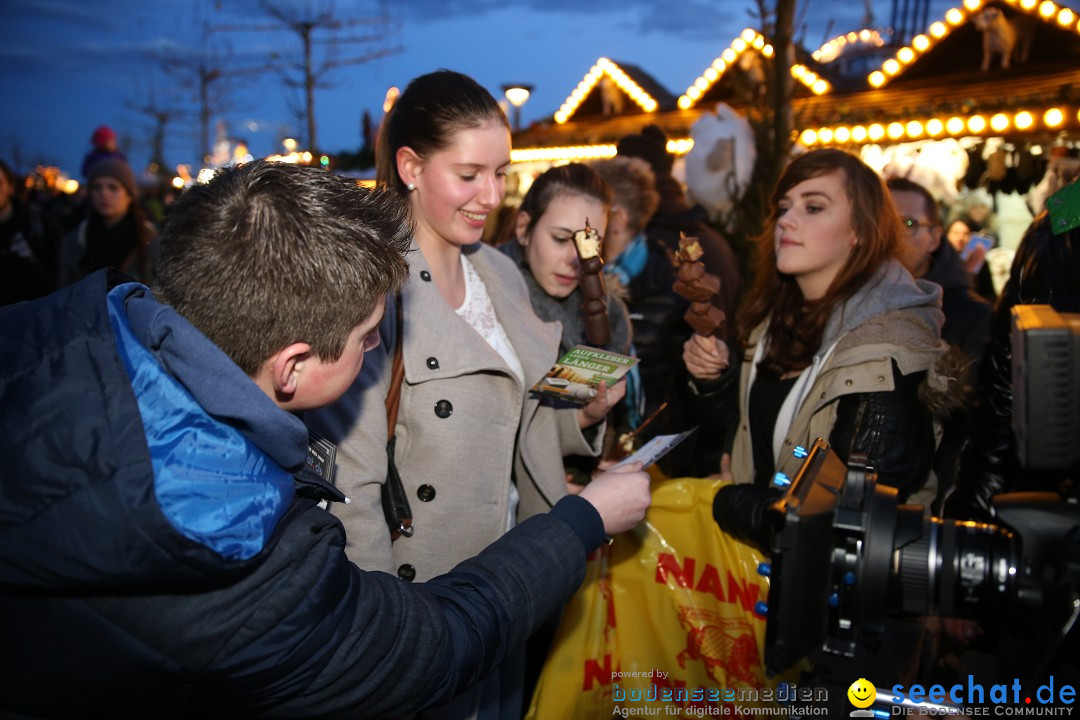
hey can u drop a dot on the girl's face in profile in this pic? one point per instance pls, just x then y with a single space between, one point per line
814 234
459 186
549 248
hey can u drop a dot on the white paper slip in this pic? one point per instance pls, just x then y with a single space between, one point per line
655 449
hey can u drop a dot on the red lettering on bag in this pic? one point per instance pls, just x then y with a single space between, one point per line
739 590
668 566
595 673
710 583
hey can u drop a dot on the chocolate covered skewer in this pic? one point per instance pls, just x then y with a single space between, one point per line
594 296
699 287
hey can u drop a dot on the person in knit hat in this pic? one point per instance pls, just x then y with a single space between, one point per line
115 232
104 146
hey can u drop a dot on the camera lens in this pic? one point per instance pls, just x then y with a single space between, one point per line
953 568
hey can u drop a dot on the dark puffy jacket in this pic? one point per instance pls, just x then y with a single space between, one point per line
967 315
155 560
1046 270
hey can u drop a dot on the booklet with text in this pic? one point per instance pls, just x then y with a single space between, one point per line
577 374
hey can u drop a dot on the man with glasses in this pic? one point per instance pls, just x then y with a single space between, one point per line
967 316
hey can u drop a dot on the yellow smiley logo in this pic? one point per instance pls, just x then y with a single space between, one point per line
861 694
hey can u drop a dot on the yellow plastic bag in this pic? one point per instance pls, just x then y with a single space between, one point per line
665 619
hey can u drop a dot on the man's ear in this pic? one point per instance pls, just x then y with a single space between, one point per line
409 165
521 223
285 366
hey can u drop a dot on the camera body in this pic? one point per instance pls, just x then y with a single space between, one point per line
846 556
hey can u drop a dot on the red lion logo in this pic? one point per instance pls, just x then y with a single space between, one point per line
726 646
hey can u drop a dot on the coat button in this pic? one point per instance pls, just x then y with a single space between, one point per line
433 363
444 409
881 378
426 493
425 276
848 383
407 572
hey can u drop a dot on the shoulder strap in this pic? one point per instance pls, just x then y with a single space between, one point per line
397 373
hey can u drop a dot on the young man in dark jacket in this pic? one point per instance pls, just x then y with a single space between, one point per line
162 552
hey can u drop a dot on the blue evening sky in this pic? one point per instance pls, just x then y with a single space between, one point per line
71 65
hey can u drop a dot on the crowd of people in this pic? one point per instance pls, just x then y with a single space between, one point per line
168 545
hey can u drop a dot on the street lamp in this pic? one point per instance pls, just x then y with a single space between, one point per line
517 94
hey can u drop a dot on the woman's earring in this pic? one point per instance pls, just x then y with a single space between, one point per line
411 187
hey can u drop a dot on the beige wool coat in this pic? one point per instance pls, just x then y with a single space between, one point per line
466 425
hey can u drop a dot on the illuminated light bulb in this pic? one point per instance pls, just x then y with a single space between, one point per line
895 131
842 134
972 5
858 133
1023 120
954 125
701 84
876 78
719 65
938 29
693 92
1028 4
825 135
767 51
808 137
955 16
809 77
729 56
851 37
865 35
560 117
759 42
711 74
738 45
1065 17
906 55
178 182
650 105
748 34
999 122
1047 9
1053 117
797 71
934 127
820 87
976 123
891 67
914 129
876 132
684 103
920 42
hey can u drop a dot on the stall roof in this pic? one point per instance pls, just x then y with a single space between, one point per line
1047 38
605 88
737 72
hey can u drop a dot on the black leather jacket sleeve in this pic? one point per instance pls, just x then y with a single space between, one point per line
1045 271
892 429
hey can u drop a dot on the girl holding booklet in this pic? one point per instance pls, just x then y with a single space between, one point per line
477 453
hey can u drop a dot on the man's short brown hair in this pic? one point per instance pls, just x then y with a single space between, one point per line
269 254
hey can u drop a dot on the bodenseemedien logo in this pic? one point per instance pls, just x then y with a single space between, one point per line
862 694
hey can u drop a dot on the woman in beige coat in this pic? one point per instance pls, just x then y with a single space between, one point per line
475 451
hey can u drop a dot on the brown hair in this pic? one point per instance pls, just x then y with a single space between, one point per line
796 325
268 254
569 179
425 116
633 186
